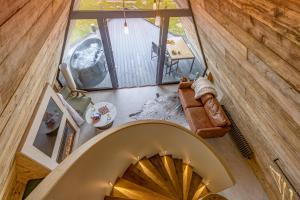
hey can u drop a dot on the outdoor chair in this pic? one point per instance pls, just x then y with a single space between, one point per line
170 63
154 50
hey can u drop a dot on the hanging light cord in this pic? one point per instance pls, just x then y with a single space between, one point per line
124 11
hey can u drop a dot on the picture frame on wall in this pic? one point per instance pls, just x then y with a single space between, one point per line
52 133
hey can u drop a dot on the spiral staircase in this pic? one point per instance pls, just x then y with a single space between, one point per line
143 160
159 177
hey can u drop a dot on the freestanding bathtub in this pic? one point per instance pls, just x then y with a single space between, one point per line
88 63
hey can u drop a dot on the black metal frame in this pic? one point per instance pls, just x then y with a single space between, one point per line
102 15
102 25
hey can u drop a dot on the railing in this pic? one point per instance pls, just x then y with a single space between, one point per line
90 171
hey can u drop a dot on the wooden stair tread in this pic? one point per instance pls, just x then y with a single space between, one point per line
136 176
146 166
187 177
200 192
171 171
159 178
158 164
116 198
196 180
126 189
179 171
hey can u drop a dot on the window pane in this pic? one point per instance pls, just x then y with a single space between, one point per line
84 54
129 4
183 53
134 57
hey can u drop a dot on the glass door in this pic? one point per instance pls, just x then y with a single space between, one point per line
182 55
88 55
116 44
135 48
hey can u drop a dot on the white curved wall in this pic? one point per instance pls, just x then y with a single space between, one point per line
87 172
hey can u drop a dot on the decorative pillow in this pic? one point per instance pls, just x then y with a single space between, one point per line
203 86
215 113
204 98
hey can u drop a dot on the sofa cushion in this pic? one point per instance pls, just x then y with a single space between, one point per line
197 118
205 97
186 84
187 98
213 132
215 113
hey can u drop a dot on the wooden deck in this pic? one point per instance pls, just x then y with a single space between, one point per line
132 55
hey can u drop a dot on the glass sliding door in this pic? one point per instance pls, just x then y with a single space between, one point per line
182 55
135 50
116 43
84 54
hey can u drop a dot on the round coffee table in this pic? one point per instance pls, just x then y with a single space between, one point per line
106 120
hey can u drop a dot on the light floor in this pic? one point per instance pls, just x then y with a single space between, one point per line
129 101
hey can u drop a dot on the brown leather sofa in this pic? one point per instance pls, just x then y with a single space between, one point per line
205 115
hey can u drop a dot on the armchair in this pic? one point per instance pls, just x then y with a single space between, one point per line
76 98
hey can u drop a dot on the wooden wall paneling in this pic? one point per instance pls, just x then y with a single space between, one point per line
285 119
290 4
12 179
20 24
9 8
286 49
223 36
23 55
283 21
276 80
242 118
280 66
20 107
15 64
288 103
249 82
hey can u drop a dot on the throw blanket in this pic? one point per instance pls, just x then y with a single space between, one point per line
203 86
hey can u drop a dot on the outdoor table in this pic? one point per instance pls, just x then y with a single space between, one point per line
179 50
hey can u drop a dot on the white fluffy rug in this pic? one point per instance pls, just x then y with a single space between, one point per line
166 107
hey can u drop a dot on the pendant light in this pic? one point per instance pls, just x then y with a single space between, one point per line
154 5
157 17
126 29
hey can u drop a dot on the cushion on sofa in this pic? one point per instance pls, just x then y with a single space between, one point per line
205 97
215 113
213 132
186 84
197 118
187 98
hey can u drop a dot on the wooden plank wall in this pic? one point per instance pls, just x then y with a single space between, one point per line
253 52
31 36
